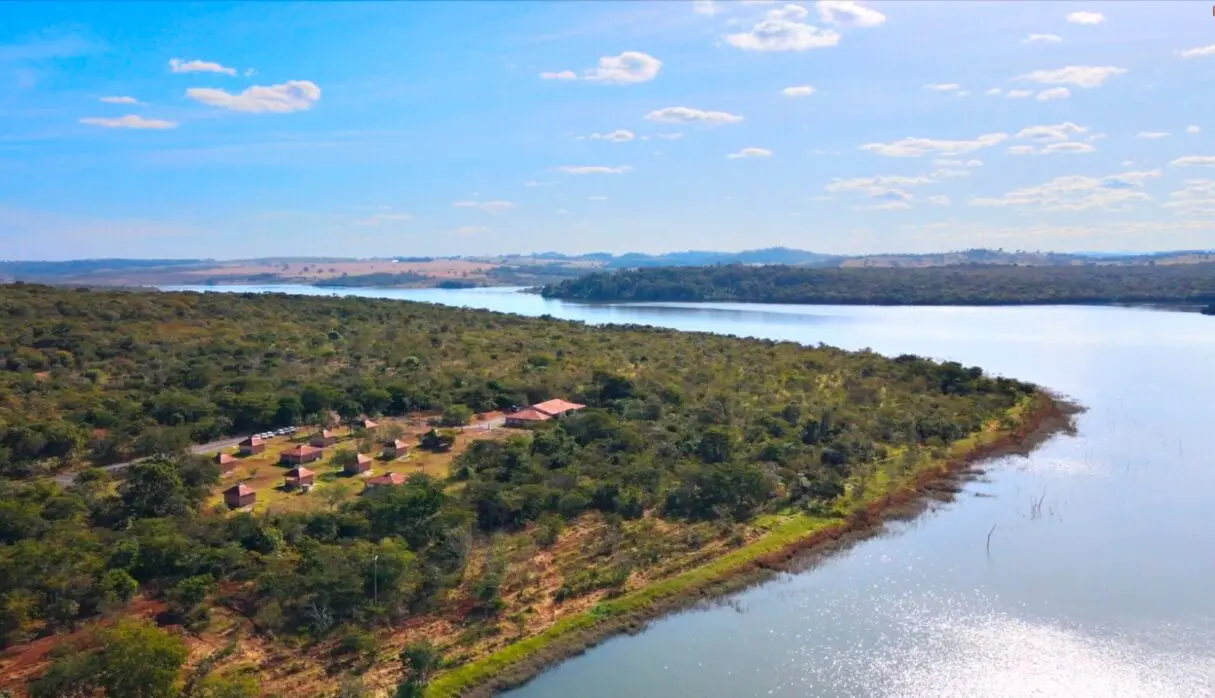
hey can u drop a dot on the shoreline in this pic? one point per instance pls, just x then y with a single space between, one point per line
795 544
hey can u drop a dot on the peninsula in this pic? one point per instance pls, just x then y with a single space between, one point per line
391 506
1192 284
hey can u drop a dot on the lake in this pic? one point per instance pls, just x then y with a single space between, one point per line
1106 588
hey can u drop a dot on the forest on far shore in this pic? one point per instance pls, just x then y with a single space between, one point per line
950 285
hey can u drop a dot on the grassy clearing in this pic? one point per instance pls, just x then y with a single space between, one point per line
784 530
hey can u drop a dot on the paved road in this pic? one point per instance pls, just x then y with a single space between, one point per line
68 478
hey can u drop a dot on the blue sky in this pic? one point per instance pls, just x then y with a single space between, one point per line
377 129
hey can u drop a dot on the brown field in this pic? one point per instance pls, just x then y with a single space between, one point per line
317 270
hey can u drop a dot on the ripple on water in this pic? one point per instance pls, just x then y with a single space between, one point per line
1066 467
957 651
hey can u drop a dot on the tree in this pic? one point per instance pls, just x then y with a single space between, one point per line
138 660
455 416
153 489
419 660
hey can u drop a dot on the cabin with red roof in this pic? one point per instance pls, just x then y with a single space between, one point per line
385 480
526 417
361 464
557 407
323 439
252 446
239 496
300 478
226 462
395 449
368 424
301 454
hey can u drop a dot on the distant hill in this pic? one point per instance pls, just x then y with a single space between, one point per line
522 269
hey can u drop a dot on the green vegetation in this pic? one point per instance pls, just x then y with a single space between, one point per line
700 433
956 285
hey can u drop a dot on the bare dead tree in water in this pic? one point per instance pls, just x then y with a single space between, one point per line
993 530
1035 507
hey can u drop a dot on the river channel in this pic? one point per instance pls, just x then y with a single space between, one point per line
1100 577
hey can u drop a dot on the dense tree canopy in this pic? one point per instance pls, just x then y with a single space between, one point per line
681 426
952 285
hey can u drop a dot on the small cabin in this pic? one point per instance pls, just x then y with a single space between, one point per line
300 454
557 408
385 480
252 446
323 439
526 417
239 496
226 462
361 464
368 424
395 449
300 478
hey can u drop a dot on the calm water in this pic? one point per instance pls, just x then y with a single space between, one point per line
1110 591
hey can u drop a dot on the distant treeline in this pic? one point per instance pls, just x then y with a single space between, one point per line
75 267
957 285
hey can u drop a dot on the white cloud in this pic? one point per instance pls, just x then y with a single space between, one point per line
915 147
1021 150
993 92
177 65
597 198
1058 132
1152 135
471 229
877 184
1193 129
957 163
1070 148
121 100
534 183
798 91
1077 192
628 68
129 121
291 96
751 153
688 115
1086 18
620 135
486 206
594 169
561 212
943 87
670 136
1198 196
848 12
1078 75
946 173
782 29
939 200
1019 94
1194 161
1200 52
1054 93
707 8
1042 39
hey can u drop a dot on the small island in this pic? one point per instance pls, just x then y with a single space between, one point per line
945 285
314 487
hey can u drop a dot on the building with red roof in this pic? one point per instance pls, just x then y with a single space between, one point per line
557 407
298 455
526 417
239 496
